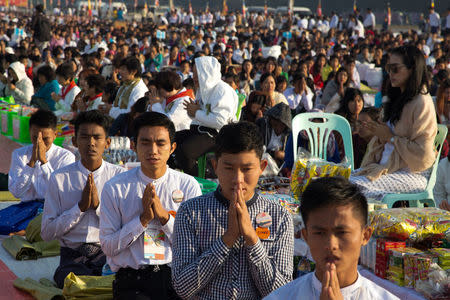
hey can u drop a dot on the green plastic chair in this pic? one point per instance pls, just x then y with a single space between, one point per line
241 98
319 133
419 199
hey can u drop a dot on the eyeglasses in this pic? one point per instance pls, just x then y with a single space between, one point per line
394 68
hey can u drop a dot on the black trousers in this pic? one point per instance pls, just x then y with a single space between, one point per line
149 283
88 259
191 144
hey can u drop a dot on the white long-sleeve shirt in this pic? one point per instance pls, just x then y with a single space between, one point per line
435 20
29 183
175 111
65 105
442 187
304 99
121 230
62 218
138 92
370 20
309 287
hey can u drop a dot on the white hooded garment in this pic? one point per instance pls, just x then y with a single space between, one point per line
24 86
218 101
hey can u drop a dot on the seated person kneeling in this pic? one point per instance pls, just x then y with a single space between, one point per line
138 212
71 213
31 167
335 215
233 242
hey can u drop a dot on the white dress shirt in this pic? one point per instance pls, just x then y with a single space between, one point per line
334 21
435 20
62 219
304 99
138 92
65 105
175 111
309 287
370 20
121 230
29 183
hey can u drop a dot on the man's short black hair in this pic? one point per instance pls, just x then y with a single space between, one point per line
239 137
65 70
168 80
153 119
43 119
47 72
132 64
92 117
96 81
333 191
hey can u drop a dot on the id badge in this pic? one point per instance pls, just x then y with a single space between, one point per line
154 244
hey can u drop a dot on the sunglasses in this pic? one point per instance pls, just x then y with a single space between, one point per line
394 68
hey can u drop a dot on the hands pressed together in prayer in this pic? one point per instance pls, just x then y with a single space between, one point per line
38 152
89 197
152 207
330 284
239 223
191 107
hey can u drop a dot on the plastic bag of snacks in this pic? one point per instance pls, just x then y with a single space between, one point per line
437 284
308 167
415 224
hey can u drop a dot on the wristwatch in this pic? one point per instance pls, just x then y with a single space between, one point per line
392 139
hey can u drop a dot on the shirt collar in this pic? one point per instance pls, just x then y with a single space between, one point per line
148 180
87 172
348 290
218 194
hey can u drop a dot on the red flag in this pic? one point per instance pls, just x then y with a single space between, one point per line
319 9
190 7
157 3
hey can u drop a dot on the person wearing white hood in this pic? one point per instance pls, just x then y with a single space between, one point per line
215 106
19 85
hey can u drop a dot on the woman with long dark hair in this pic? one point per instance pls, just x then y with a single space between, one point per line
400 154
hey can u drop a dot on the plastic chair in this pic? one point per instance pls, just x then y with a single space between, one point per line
241 98
319 133
419 199
201 165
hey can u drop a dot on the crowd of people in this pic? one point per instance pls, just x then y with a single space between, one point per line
182 85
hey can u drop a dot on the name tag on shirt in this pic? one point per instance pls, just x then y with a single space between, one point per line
154 244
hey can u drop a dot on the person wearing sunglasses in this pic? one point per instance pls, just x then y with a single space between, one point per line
400 154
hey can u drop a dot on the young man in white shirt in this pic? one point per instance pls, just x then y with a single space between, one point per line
299 97
138 210
335 215
71 213
172 96
31 167
435 20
